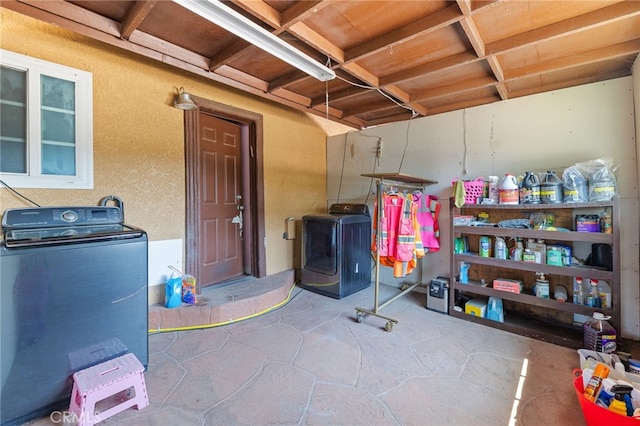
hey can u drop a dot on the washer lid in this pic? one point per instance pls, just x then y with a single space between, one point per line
349 209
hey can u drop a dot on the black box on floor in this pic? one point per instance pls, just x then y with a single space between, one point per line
438 296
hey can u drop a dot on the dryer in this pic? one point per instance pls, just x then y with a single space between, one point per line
336 251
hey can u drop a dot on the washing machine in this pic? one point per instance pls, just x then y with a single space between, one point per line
336 251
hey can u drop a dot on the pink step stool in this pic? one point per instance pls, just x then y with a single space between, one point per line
105 380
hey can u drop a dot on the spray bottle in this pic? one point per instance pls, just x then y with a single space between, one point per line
463 277
501 248
600 373
518 250
622 395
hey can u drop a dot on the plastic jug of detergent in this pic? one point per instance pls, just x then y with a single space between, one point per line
599 335
530 189
551 189
495 311
508 190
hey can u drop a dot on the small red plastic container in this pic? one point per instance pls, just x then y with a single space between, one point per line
595 415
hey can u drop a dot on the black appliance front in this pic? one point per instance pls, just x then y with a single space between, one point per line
336 259
63 308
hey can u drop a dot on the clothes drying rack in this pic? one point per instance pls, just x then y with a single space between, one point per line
402 181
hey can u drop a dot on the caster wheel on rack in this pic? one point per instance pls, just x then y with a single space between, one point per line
403 287
389 326
359 317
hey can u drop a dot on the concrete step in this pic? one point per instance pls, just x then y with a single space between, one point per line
225 303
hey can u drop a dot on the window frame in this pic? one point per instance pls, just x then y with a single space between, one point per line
83 80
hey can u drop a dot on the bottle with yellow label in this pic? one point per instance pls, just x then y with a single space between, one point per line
605 223
600 373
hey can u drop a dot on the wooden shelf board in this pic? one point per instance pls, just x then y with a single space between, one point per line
539 330
530 299
589 237
567 271
400 177
530 207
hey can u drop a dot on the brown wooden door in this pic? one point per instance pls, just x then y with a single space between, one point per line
220 200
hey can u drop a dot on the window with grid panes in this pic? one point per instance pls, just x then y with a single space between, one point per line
46 124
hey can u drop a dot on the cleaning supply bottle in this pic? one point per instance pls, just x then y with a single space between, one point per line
599 335
464 272
604 290
485 246
508 190
541 286
600 373
501 248
619 404
518 250
530 189
606 394
578 292
495 311
605 222
560 293
539 249
594 296
551 189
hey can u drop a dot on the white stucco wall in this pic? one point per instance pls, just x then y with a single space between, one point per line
542 132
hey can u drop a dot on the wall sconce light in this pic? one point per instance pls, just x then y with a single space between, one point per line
183 100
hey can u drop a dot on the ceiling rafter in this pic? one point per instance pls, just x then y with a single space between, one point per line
136 15
71 13
475 38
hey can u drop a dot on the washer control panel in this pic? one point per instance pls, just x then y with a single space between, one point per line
39 217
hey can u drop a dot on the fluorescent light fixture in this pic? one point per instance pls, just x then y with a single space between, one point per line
227 18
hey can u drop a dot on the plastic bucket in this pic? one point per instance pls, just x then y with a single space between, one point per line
594 415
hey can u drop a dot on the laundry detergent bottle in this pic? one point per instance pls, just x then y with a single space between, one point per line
599 335
508 190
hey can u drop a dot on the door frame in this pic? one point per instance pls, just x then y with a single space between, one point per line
251 125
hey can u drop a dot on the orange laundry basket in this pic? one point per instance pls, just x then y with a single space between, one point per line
595 415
